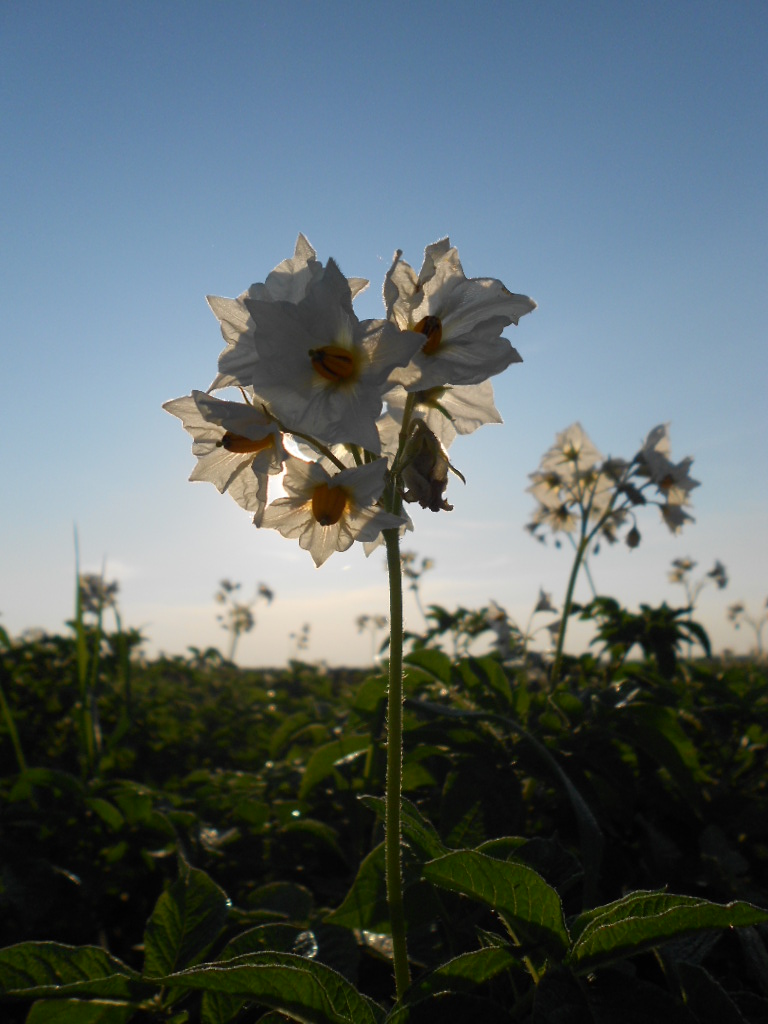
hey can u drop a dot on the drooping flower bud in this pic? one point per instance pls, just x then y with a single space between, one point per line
633 538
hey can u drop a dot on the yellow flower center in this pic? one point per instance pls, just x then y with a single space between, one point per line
432 327
333 362
243 445
328 504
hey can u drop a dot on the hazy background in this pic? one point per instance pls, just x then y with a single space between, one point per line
607 159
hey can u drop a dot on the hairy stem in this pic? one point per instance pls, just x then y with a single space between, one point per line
394 786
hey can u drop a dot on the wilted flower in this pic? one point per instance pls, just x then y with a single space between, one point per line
425 469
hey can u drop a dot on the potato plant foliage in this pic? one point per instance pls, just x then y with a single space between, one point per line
186 841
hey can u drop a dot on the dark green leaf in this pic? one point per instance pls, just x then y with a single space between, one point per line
324 759
434 663
462 974
492 676
40 969
705 997
219 1007
420 833
365 905
286 900
106 811
302 989
76 1011
518 892
645 919
186 920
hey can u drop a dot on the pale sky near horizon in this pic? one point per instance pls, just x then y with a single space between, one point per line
607 159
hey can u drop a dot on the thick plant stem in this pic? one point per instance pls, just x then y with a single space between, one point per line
580 552
393 796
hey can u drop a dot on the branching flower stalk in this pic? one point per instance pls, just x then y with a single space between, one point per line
590 498
354 418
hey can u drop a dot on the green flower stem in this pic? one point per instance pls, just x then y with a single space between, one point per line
580 552
394 786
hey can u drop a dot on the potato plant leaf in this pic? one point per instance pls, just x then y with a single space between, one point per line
302 989
419 832
462 974
643 919
324 759
514 890
77 1011
50 969
186 920
218 1007
435 663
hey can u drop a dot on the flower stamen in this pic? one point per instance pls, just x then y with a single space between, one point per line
432 327
242 445
328 504
333 362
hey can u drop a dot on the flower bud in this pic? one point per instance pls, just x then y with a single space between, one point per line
633 538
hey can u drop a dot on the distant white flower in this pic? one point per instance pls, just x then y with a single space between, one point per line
497 620
675 517
680 568
719 574
288 282
328 512
559 518
321 371
672 480
544 604
573 453
549 488
657 441
460 318
237 446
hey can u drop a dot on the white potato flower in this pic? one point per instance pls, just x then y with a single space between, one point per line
236 444
328 511
460 318
672 480
572 454
288 282
448 411
321 370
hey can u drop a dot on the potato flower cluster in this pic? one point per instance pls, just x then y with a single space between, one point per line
337 421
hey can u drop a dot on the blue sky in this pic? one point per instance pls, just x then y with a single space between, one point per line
607 159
